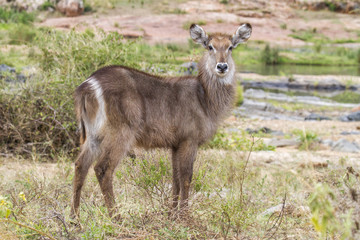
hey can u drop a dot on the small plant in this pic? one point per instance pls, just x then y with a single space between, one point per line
239 95
307 139
283 26
270 55
16 16
46 5
235 141
5 207
324 217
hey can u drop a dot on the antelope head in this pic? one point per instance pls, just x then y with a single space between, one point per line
218 60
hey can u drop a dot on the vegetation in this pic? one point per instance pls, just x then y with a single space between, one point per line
16 16
308 139
270 55
237 141
231 197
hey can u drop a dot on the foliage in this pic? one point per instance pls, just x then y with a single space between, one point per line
347 97
16 16
270 55
239 95
5 207
236 141
324 217
308 139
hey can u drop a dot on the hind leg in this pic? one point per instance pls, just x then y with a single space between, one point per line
82 166
113 150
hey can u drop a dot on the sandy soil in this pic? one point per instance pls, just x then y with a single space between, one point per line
272 21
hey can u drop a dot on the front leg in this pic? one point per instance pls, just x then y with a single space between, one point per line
183 158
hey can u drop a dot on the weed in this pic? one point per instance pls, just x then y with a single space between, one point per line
324 214
46 5
270 55
187 25
283 26
239 95
307 138
236 141
347 97
16 16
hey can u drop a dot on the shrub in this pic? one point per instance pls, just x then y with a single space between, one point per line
236 141
39 119
239 95
16 16
270 55
307 138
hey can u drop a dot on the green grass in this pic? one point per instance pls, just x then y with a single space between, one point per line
229 196
347 97
240 141
16 16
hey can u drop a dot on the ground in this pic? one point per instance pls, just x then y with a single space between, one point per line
306 190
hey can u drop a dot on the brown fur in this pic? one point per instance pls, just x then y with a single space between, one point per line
179 113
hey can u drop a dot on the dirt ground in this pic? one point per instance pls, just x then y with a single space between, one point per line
272 21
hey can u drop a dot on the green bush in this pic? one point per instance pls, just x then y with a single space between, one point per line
307 139
16 16
239 95
270 55
21 34
39 119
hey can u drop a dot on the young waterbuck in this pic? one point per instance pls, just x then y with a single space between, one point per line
119 108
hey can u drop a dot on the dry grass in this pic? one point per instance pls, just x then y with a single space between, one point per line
227 200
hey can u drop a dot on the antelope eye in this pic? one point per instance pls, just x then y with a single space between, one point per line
210 48
230 48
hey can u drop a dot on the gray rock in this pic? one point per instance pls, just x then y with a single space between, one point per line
189 68
344 145
262 106
350 133
316 117
6 68
283 142
352 117
327 142
312 100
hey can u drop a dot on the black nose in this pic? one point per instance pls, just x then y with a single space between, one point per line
222 67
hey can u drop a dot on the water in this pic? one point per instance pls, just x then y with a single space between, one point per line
301 70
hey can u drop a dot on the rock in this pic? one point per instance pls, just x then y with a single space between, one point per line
327 142
352 117
10 74
350 133
262 106
283 142
312 100
189 68
71 8
6 68
316 117
287 208
344 145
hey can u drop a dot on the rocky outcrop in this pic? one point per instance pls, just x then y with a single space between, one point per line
71 8
352 117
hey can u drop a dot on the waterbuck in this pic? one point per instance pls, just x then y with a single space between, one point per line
119 108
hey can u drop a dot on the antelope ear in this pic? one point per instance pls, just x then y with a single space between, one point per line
242 34
199 35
